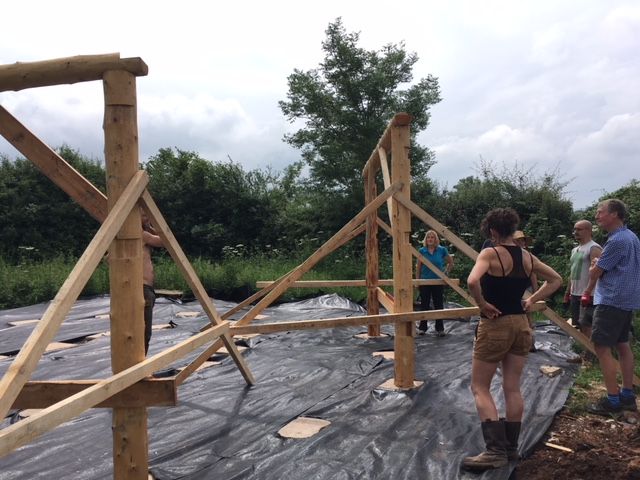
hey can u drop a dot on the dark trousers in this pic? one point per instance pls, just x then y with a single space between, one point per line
435 293
149 302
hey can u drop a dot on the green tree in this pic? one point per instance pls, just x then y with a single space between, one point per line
345 104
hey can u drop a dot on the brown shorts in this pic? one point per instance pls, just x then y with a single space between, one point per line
497 337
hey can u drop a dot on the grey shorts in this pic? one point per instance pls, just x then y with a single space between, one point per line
611 325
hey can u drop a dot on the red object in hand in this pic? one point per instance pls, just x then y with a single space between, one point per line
586 300
567 299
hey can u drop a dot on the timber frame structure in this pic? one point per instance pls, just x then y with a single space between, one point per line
128 391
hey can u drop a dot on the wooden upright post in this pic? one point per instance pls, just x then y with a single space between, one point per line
402 258
130 442
371 249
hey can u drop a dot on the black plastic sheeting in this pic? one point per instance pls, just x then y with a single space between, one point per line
224 429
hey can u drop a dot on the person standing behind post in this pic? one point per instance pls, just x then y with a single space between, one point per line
149 240
582 257
616 278
439 256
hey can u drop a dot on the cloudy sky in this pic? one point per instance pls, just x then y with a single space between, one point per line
549 85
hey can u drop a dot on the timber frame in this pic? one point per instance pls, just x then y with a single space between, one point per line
128 391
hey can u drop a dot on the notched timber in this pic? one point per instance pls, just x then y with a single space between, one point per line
155 392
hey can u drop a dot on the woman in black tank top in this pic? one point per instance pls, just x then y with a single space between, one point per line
497 283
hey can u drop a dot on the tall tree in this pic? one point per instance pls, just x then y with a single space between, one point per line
346 104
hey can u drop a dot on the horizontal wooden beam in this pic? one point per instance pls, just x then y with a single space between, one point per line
449 313
152 392
59 71
353 283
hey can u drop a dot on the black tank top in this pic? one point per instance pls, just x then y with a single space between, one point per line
506 292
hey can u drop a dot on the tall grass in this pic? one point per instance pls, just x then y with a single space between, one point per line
233 278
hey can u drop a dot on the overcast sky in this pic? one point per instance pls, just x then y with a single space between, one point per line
553 85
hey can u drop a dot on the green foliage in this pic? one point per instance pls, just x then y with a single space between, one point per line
213 205
38 219
346 104
539 200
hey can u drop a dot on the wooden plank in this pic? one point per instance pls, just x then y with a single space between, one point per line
373 164
404 345
189 274
372 273
81 68
328 247
385 300
355 283
393 318
25 362
386 180
439 227
155 392
81 190
26 430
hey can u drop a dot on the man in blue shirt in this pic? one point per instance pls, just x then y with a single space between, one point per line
616 277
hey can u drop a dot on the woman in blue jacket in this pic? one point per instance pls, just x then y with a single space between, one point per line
440 258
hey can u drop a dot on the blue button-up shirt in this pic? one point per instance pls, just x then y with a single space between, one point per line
619 284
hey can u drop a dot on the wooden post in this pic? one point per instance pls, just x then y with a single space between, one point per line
402 259
130 442
371 249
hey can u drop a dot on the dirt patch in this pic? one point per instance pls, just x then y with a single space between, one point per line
601 448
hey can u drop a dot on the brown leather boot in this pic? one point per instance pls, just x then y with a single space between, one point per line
512 432
495 455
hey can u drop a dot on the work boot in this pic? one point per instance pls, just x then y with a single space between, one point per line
495 455
512 432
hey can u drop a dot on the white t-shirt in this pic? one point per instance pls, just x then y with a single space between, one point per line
580 263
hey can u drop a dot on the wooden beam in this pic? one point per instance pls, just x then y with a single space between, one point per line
386 181
81 68
25 362
355 283
151 392
386 300
404 345
53 166
372 274
328 247
450 313
120 124
399 120
26 430
173 247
